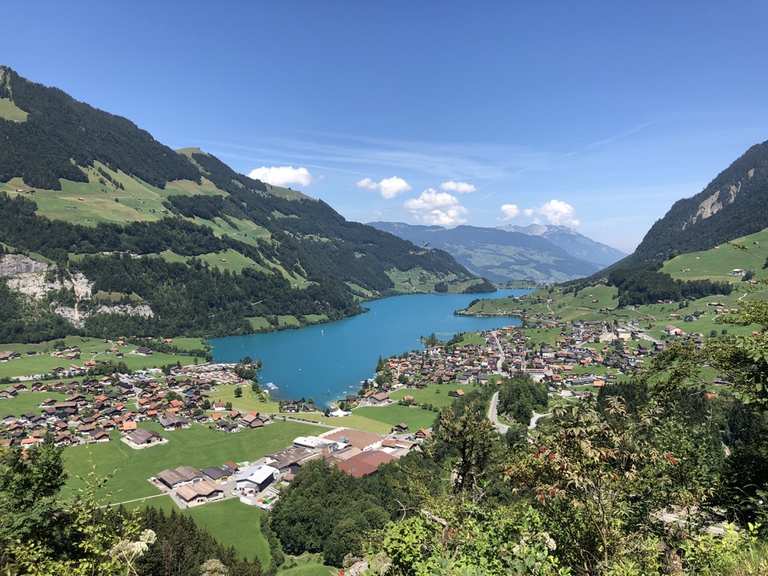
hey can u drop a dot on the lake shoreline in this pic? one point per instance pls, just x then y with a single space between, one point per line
328 361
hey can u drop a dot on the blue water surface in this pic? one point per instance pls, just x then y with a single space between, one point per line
326 362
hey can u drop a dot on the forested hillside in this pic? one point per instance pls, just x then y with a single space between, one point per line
734 204
179 241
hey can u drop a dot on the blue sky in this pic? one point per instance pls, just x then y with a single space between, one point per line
597 115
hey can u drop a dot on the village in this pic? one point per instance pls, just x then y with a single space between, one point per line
582 357
576 360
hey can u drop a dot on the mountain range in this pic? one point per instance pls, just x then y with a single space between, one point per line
733 205
110 230
534 253
576 244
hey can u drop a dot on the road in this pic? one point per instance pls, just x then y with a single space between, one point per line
502 356
535 420
493 415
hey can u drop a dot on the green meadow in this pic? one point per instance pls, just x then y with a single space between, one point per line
436 394
128 470
393 414
25 403
37 358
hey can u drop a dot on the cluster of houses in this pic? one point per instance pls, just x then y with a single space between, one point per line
89 410
258 483
563 365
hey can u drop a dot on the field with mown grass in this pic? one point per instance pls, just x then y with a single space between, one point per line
394 414
436 394
199 446
230 522
748 253
26 402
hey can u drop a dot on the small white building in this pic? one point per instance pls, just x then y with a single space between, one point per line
255 479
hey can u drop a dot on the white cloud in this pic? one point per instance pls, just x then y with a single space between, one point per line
387 187
282 175
458 187
437 208
509 211
529 212
560 213
367 183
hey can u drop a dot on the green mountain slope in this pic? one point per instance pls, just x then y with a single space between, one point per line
496 254
733 205
180 241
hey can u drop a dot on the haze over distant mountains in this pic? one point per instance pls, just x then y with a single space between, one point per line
577 245
535 253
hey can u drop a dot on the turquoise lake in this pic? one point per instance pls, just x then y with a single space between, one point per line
326 362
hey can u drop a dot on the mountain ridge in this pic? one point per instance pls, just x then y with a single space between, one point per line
576 244
94 194
497 254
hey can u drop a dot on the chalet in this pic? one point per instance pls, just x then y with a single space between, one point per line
173 422
199 493
6 356
253 420
379 398
99 436
216 473
179 476
143 438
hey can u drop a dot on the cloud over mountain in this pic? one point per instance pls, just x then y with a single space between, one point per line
437 208
387 187
282 175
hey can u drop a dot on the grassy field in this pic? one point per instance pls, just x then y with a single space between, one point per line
418 280
25 403
228 260
354 420
393 414
231 522
91 349
305 565
237 228
748 253
9 111
92 202
249 402
495 306
435 394
260 323
472 338
190 344
583 305
537 336
199 446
